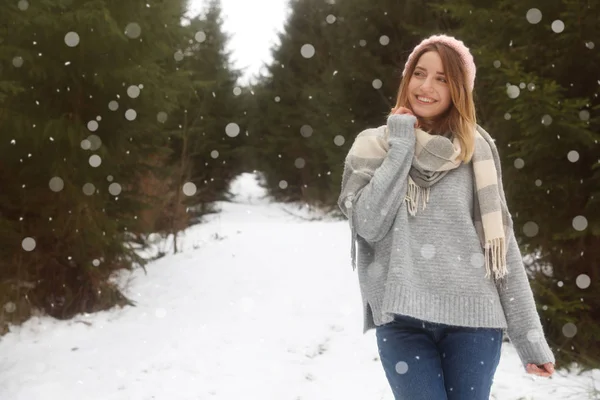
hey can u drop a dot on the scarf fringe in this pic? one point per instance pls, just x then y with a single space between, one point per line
495 258
414 194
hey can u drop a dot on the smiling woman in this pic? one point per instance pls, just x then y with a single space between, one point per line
439 266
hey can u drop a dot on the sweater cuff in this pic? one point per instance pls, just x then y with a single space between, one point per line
534 352
401 125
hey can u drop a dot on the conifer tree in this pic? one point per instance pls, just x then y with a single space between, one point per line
292 128
83 88
335 73
206 128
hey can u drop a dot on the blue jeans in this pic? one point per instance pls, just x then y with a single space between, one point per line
431 361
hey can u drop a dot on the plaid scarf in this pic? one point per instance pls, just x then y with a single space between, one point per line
434 157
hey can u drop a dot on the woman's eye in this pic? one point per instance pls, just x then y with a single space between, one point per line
443 80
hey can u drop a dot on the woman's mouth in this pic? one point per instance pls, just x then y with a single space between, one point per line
425 100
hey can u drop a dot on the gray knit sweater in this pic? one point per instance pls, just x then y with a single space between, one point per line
430 266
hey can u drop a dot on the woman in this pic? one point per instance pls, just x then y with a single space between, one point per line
440 271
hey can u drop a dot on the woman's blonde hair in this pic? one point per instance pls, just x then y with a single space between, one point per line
460 118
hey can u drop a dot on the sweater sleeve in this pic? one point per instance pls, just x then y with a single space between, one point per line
524 326
376 205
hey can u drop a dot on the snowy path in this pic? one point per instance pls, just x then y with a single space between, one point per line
259 305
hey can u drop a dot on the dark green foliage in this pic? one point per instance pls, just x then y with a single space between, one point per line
350 83
91 93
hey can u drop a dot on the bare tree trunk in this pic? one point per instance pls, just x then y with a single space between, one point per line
183 176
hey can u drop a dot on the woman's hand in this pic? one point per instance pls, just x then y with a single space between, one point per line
404 110
542 370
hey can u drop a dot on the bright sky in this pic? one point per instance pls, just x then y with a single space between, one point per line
252 28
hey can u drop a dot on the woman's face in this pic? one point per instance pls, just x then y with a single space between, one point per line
428 91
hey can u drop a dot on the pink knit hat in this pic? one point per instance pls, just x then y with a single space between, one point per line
456 45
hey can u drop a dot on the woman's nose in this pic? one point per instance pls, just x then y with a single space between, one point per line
427 85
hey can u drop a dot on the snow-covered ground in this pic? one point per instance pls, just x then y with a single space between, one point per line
261 304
